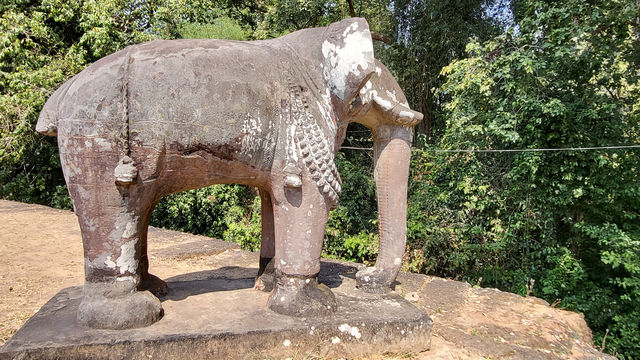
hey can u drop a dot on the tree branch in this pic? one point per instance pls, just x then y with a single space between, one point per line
380 37
352 10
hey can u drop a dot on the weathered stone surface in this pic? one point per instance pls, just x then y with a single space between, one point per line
217 314
480 323
41 252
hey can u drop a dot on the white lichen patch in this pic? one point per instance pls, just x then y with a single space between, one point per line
90 224
325 113
127 260
286 343
110 264
391 95
407 114
392 303
350 28
102 144
292 152
73 170
130 230
351 330
335 340
126 278
397 261
255 138
340 61
383 103
365 91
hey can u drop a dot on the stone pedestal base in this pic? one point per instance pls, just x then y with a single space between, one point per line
218 315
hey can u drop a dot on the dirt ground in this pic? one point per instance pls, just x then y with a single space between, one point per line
33 268
41 253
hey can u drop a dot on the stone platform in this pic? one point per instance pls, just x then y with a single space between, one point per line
218 315
42 253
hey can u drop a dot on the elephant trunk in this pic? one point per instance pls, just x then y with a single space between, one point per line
392 156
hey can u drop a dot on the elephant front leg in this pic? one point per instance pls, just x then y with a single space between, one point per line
300 217
264 280
112 230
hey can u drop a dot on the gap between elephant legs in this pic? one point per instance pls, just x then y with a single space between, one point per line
300 217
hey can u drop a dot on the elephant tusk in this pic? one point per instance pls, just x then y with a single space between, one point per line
397 113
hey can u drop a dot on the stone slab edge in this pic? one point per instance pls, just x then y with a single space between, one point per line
328 338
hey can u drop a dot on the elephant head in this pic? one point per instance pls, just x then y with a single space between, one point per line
363 90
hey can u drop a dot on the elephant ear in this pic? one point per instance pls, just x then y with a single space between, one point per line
348 60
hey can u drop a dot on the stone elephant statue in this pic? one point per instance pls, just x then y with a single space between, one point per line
172 115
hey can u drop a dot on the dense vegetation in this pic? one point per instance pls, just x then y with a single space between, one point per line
521 74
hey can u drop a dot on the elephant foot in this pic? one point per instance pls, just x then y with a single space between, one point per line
155 285
264 280
105 306
301 296
374 280
264 283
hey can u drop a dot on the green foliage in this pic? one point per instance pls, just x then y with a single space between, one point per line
564 78
43 44
221 19
230 212
430 34
351 225
202 211
619 253
244 227
222 28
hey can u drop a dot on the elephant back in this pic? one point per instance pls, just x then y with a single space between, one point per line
207 96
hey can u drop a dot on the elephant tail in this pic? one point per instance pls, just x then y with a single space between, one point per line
48 120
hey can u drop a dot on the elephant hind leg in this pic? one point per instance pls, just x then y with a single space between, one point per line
264 280
112 227
150 282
